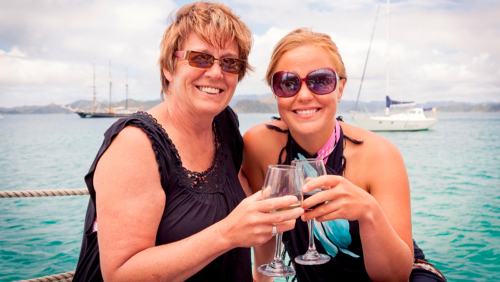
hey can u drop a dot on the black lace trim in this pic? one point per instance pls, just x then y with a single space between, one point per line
208 181
148 132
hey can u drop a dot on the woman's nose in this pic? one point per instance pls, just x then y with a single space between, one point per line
215 71
304 93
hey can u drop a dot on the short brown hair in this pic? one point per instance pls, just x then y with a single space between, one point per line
301 37
214 23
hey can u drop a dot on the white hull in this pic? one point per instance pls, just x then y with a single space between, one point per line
117 112
399 122
387 124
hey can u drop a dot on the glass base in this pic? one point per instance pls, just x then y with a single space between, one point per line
312 258
276 269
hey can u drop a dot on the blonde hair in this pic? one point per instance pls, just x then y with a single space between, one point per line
301 37
214 23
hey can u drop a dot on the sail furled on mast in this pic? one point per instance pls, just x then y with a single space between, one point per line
391 103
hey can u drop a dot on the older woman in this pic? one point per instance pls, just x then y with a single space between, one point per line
166 202
367 191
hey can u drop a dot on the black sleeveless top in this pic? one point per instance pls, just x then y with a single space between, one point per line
342 267
194 201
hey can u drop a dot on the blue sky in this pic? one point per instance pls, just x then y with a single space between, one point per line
439 50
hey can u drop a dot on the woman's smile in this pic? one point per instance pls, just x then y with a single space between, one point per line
209 90
306 112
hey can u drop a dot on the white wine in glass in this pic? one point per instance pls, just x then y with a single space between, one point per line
281 180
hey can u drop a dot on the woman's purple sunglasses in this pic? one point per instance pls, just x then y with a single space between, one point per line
320 81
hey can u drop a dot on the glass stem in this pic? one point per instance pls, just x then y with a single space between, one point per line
310 225
277 253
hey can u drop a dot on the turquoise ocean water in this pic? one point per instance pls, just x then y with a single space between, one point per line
454 172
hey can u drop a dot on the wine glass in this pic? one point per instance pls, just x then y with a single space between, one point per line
281 180
311 168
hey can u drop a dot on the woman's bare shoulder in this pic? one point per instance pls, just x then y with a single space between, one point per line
266 132
372 162
132 137
374 154
372 144
130 153
263 144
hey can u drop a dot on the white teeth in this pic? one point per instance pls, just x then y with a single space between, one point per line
209 89
306 112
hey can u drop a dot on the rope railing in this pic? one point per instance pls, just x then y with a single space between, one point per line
62 277
43 193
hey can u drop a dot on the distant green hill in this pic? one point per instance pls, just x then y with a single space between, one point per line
248 104
48 109
254 106
471 108
80 105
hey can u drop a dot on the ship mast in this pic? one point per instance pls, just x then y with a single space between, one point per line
126 88
367 56
387 55
95 95
109 106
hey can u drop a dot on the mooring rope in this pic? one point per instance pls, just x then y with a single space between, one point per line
43 193
62 277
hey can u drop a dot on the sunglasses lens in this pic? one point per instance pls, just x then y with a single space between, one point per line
200 60
231 65
285 84
205 61
322 81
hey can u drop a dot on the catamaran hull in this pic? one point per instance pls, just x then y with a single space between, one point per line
388 124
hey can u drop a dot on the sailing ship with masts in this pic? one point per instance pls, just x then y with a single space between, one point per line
110 112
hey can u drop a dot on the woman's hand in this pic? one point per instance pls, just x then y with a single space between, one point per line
343 199
250 223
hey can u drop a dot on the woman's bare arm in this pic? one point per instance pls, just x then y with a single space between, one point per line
376 193
130 203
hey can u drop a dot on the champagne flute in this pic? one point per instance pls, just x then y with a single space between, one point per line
281 180
311 168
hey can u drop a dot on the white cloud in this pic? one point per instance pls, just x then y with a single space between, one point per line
440 50
59 40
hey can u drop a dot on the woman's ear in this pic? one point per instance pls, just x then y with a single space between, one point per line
168 75
341 85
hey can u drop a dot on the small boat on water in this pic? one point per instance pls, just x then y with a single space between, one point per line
412 119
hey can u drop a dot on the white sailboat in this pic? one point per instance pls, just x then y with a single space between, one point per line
412 119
